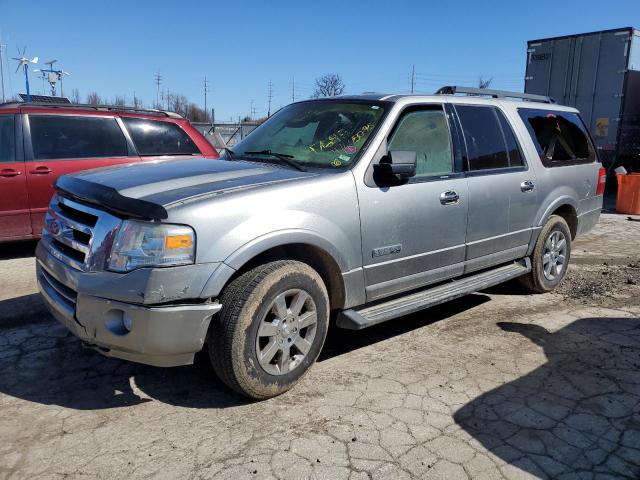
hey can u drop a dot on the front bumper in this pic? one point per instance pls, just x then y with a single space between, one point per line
163 336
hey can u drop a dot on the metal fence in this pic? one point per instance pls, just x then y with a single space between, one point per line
223 135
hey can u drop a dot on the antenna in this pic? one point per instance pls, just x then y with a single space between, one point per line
270 97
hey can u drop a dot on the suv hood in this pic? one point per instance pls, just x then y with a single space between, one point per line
145 189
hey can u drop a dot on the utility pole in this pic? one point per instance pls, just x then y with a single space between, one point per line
293 89
413 77
2 70
158 79
270 97
205 86
252 110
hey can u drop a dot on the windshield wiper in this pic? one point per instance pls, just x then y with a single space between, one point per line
283 157
232 154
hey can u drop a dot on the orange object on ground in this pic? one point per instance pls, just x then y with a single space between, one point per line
628 200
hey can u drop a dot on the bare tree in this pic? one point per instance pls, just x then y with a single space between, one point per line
137 103
94 99
119 101
75 96
329 85
482 83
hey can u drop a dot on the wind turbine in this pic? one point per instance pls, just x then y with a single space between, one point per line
53 76
24 63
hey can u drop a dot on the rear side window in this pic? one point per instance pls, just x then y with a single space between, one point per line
159 138
7 139
65 136
489 139
560 137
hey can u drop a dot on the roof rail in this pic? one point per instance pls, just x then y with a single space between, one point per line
108 108
529 97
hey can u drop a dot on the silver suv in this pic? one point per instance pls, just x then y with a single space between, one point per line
359 209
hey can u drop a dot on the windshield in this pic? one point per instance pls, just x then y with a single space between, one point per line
327 134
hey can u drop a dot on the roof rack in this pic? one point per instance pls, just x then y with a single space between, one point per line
528 97
107 108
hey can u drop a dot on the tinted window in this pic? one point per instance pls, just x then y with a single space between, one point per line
485 141
7 139
63 136
559 137
159 138
425 132
515 155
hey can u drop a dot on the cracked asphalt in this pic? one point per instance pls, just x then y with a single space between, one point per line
494 385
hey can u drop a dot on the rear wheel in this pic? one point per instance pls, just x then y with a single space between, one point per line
550 257
271 329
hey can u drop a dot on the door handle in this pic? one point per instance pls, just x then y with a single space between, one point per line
42 170
9 172
527 186
449 197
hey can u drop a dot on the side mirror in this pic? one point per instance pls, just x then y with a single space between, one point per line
400 164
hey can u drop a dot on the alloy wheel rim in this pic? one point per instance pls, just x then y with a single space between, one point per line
286 332
555 255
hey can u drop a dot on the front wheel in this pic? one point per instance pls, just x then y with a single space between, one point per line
271 329
550 257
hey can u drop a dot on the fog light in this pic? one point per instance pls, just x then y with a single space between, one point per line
117 322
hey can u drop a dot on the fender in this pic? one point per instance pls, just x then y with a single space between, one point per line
255 247
553 206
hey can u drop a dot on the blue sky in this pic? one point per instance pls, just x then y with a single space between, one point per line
115 47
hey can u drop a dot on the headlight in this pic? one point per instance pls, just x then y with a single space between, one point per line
142 244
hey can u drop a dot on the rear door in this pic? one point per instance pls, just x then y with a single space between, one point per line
502 188
14 201
56 145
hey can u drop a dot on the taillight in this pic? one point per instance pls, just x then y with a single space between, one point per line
602 179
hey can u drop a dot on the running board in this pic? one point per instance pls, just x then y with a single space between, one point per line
353 319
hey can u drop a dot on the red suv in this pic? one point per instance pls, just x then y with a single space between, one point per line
40 142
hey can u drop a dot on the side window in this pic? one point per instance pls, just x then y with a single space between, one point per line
426 132
7 138
159 138
513 149
484 138
67 136
560 137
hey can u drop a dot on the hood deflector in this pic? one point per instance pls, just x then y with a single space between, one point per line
109 198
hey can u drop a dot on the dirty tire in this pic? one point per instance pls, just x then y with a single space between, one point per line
536 281
245 303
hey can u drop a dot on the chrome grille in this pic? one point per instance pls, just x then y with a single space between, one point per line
77 234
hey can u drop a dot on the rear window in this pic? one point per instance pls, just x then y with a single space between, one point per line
7 139
159 138
560 137
77 137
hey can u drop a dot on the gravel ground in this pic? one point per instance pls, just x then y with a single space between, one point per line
494 385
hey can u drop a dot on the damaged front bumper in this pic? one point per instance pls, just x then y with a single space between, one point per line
160 335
